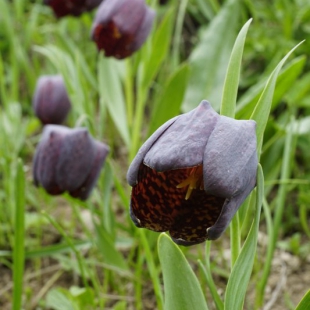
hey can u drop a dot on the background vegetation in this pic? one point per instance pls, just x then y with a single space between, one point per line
61 253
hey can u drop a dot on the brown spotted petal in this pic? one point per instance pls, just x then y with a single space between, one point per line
192 175
68 160
121 26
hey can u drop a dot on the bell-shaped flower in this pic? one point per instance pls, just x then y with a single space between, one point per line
50 102
68 160
121 26
191 176
71 7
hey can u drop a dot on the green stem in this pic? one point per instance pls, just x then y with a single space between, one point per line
129 92
178 33
19 238
137 125
274 232
153 272
234 239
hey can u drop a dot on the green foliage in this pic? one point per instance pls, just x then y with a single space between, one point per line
89 255
182 289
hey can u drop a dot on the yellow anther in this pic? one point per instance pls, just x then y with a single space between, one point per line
193 181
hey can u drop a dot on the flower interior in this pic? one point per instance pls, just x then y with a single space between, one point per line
193 181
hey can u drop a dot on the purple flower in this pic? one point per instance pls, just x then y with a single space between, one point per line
71 7
191 176
51 103
121 26
68 160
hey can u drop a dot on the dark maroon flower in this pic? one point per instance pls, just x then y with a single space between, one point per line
51 103
68 160
71 7
121 26
191 176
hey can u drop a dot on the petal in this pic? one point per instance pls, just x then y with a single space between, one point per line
85 189
75 159
155 199
182 145
200 212
157 204
132 174
230 207
46 158
144 29
230 159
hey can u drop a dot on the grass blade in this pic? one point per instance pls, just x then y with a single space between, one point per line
231 84
19 238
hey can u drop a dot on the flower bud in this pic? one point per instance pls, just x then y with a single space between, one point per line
191 176
68 160
50 102
71 7
121 26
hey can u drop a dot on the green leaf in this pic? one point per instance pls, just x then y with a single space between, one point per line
61 299
231 84
304 303
287 77
154 54
263 106
181 286
111 92
171 99
241 272
209 59
109 253
19 237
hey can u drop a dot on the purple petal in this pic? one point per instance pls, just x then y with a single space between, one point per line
183 143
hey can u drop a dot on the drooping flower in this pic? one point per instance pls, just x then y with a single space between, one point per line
121 26
50 102
68 160
63 8
191 176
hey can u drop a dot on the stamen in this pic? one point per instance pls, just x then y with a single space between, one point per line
193 181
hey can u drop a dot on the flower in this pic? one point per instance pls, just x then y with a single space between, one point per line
68 160
71 7
50 102
121 26
191 176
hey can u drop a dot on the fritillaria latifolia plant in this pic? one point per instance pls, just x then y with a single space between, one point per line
68 160
51 102
121 27
63 8
192 175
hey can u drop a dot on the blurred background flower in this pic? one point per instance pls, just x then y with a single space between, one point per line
71 7
68 160
51 103
121 26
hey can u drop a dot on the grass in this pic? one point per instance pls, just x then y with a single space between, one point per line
61 253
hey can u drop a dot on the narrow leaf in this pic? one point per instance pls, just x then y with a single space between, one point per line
263 106
231 84
111 92
304 303
209 59
181 286
241 272
19 238
172 97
